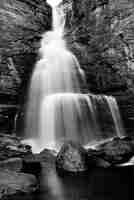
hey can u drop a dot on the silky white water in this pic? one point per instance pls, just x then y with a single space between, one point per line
57 110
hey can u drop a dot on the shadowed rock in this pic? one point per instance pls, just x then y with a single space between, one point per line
22 22
11 146
115 151
12 183
16 156
100 34
95 160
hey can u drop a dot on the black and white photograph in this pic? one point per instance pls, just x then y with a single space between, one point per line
66 99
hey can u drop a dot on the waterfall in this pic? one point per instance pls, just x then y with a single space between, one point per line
57 109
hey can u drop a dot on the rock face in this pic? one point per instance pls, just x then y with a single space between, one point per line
100 33
71 158
12 183
22 23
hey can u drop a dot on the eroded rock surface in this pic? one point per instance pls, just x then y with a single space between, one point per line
12 165
74 158
100 34
22 22
71 158
115 151
11 146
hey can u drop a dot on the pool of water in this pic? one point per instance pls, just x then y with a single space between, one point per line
97 184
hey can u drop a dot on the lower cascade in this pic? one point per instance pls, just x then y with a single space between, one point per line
57 109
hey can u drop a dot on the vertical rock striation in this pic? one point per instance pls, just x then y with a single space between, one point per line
100 33
22 23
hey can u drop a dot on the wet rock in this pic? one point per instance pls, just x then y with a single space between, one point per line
47 158
126 164
95 160
11 146
16 156
100 162
12 183
31 166
28 164
12 164
72 158
35 162
115 151
46 155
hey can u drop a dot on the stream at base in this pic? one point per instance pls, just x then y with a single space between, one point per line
98 184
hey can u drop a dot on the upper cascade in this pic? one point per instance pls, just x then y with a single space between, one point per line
54 3
58 16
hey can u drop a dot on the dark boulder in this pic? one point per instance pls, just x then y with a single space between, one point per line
95 160
16 156
72 158
27 165
35 162
8 117
115 151
31 166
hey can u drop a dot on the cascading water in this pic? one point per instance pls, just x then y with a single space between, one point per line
57 110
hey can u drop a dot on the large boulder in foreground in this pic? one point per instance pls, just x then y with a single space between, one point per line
12 183
74 158
71 158
115 151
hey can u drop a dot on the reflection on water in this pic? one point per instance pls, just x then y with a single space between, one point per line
54 185
98 184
